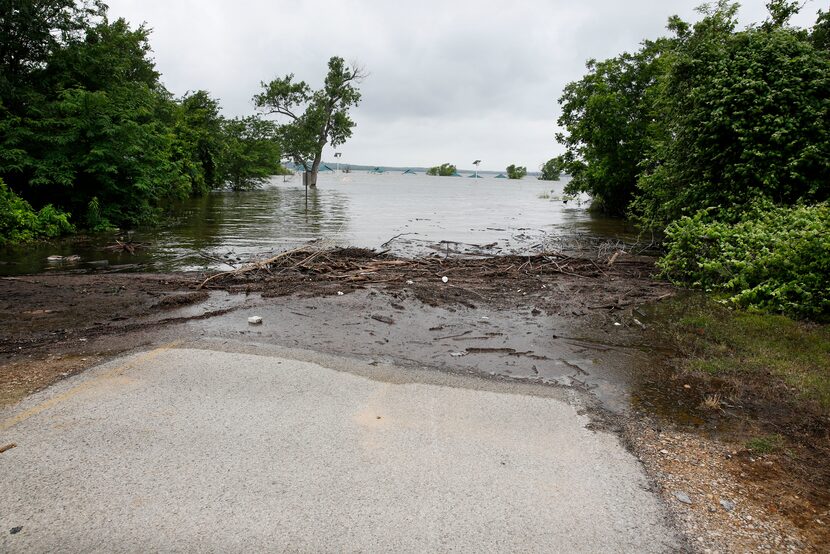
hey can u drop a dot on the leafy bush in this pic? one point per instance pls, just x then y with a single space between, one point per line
747 115
774 259
443 170
551 170
516 171
708 116
19 222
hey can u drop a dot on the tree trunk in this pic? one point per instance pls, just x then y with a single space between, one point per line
315 168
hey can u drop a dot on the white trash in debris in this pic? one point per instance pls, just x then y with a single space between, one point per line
255 320
410 282
445 279
339 293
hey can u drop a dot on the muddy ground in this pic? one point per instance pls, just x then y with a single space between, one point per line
549 319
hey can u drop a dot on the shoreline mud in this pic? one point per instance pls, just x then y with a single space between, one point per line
548 319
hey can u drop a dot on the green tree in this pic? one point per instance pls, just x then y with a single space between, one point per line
199 140
820 35
31 31
314 118
516 172
95 130
251 154
86 125
551 170
443 170
608 120
747 115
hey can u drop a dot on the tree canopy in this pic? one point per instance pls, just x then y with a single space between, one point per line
252 152
516 172
88 129
720 137
710 116
551 170
443 170
313 118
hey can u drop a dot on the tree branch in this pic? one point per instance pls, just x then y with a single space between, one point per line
282 111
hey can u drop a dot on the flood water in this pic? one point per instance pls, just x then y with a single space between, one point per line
355 209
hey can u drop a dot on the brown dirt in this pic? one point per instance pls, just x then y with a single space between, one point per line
789 484
55 325
731 510
52 326
40 308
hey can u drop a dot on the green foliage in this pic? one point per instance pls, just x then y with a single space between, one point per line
252 153
20 223
443 170
198 140
772 259
709 117
551 170
766 444
516 172
314 118
94 127
748 112
86 125
820 35
608 117
31 31
705 132
95 220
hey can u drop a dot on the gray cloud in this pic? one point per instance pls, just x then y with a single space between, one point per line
449 81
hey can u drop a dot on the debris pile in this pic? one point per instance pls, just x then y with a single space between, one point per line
436 279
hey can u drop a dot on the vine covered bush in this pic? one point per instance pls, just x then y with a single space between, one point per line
773 259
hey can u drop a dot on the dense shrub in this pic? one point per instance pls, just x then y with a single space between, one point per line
774 259
710 116
20 223
87 126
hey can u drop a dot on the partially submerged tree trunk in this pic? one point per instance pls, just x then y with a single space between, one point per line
325 119
315 168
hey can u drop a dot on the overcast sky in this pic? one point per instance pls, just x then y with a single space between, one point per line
450 81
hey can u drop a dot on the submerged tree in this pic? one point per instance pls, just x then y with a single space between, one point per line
516 171
251 153
443 170
551 170
315 118
198 145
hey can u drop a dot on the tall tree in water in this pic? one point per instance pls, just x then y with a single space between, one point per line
314 118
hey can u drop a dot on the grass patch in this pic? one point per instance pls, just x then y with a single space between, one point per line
766 444
763 350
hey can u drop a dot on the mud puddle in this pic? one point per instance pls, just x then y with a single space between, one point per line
395 327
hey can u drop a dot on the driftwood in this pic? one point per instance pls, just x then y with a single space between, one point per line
252 266
357 267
